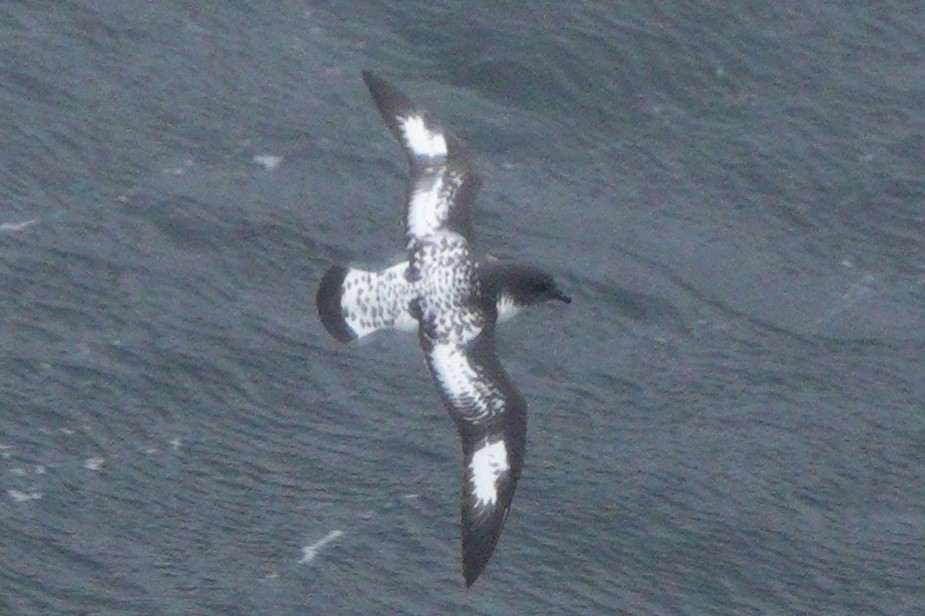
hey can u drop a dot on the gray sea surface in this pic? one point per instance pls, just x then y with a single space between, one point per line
728 419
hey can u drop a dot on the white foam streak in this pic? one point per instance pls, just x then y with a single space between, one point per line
18 226
310 551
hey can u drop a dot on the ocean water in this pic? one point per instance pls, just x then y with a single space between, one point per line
728 419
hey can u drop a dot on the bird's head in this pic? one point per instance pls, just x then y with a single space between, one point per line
519 284
533 286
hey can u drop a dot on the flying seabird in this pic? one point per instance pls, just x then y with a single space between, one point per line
453 301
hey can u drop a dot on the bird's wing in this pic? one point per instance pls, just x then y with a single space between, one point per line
443 186
491 416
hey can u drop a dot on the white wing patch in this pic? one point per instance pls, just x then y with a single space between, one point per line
429 202
432 198
460 383
489 462
420 139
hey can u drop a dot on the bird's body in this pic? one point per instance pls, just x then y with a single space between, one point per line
453 301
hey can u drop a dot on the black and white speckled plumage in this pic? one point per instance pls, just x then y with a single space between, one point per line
354 303
453 301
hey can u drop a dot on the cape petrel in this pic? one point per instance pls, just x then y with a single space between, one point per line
452 300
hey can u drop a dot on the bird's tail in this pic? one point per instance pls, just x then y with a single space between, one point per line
354 303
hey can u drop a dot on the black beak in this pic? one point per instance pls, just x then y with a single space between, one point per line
562 297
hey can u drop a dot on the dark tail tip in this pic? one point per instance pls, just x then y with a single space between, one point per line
328 299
